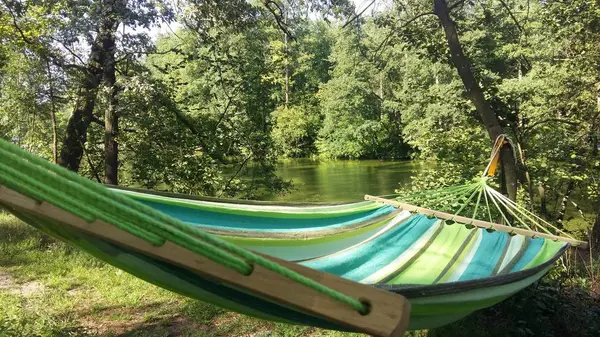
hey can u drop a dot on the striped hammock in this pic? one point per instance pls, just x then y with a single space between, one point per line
446 271
338 266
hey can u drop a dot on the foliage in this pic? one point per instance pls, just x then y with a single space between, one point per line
351 125
25 102
295 130
205 107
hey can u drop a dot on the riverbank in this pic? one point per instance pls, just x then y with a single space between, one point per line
49 289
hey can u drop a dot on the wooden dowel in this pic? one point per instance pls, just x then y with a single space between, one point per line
389 313
475 222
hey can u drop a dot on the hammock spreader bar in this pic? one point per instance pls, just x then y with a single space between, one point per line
36 186
477 223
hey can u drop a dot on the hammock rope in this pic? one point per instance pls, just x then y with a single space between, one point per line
459 199
43 181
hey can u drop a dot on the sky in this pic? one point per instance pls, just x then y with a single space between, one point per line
359 4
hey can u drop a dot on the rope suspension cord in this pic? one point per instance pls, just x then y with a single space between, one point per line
43 181
461 198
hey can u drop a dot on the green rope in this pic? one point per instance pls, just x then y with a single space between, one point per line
434 192
498 207
455 195
512 210
477 204
527 214
478 189
487 205
43 181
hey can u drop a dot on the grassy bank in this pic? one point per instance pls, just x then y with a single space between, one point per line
49 289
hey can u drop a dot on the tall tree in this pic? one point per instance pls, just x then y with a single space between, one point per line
489 119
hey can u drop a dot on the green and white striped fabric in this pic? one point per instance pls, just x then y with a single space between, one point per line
447 271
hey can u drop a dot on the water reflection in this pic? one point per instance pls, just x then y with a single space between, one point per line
343 180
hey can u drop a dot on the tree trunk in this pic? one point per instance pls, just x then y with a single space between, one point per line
286 89
563 205
595 130
82 116
543 202
52 115
595 234
463 66
381 85
111 117
79 121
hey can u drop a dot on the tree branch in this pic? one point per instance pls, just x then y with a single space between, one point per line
15 24
510 13
45 54
69 50
458 3
278 20
396 29
356 16
549 120
124 56
201 139
97 120
242 165
418 16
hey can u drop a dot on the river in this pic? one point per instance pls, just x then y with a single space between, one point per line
343 180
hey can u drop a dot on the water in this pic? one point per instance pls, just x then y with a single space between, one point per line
346 180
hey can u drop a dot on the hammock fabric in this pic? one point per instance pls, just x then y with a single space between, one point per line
447 271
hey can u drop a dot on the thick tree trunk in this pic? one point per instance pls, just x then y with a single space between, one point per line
74 141
463 66
79 121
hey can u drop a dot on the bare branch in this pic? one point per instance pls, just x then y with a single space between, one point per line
278 17
356 16
69 50
242 165
549 120
511 15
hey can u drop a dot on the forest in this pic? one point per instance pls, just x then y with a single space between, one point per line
240 83
205 97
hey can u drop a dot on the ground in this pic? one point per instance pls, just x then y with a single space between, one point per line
50 289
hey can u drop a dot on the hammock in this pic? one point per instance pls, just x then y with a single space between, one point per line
360 266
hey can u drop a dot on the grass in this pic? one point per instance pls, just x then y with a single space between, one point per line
50 289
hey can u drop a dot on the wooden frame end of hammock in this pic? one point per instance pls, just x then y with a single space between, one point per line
388 315
477 223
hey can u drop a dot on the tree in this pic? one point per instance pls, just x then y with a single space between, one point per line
54 31
351 109
489 119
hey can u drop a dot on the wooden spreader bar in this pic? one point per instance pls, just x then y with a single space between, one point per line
477 223
388 315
